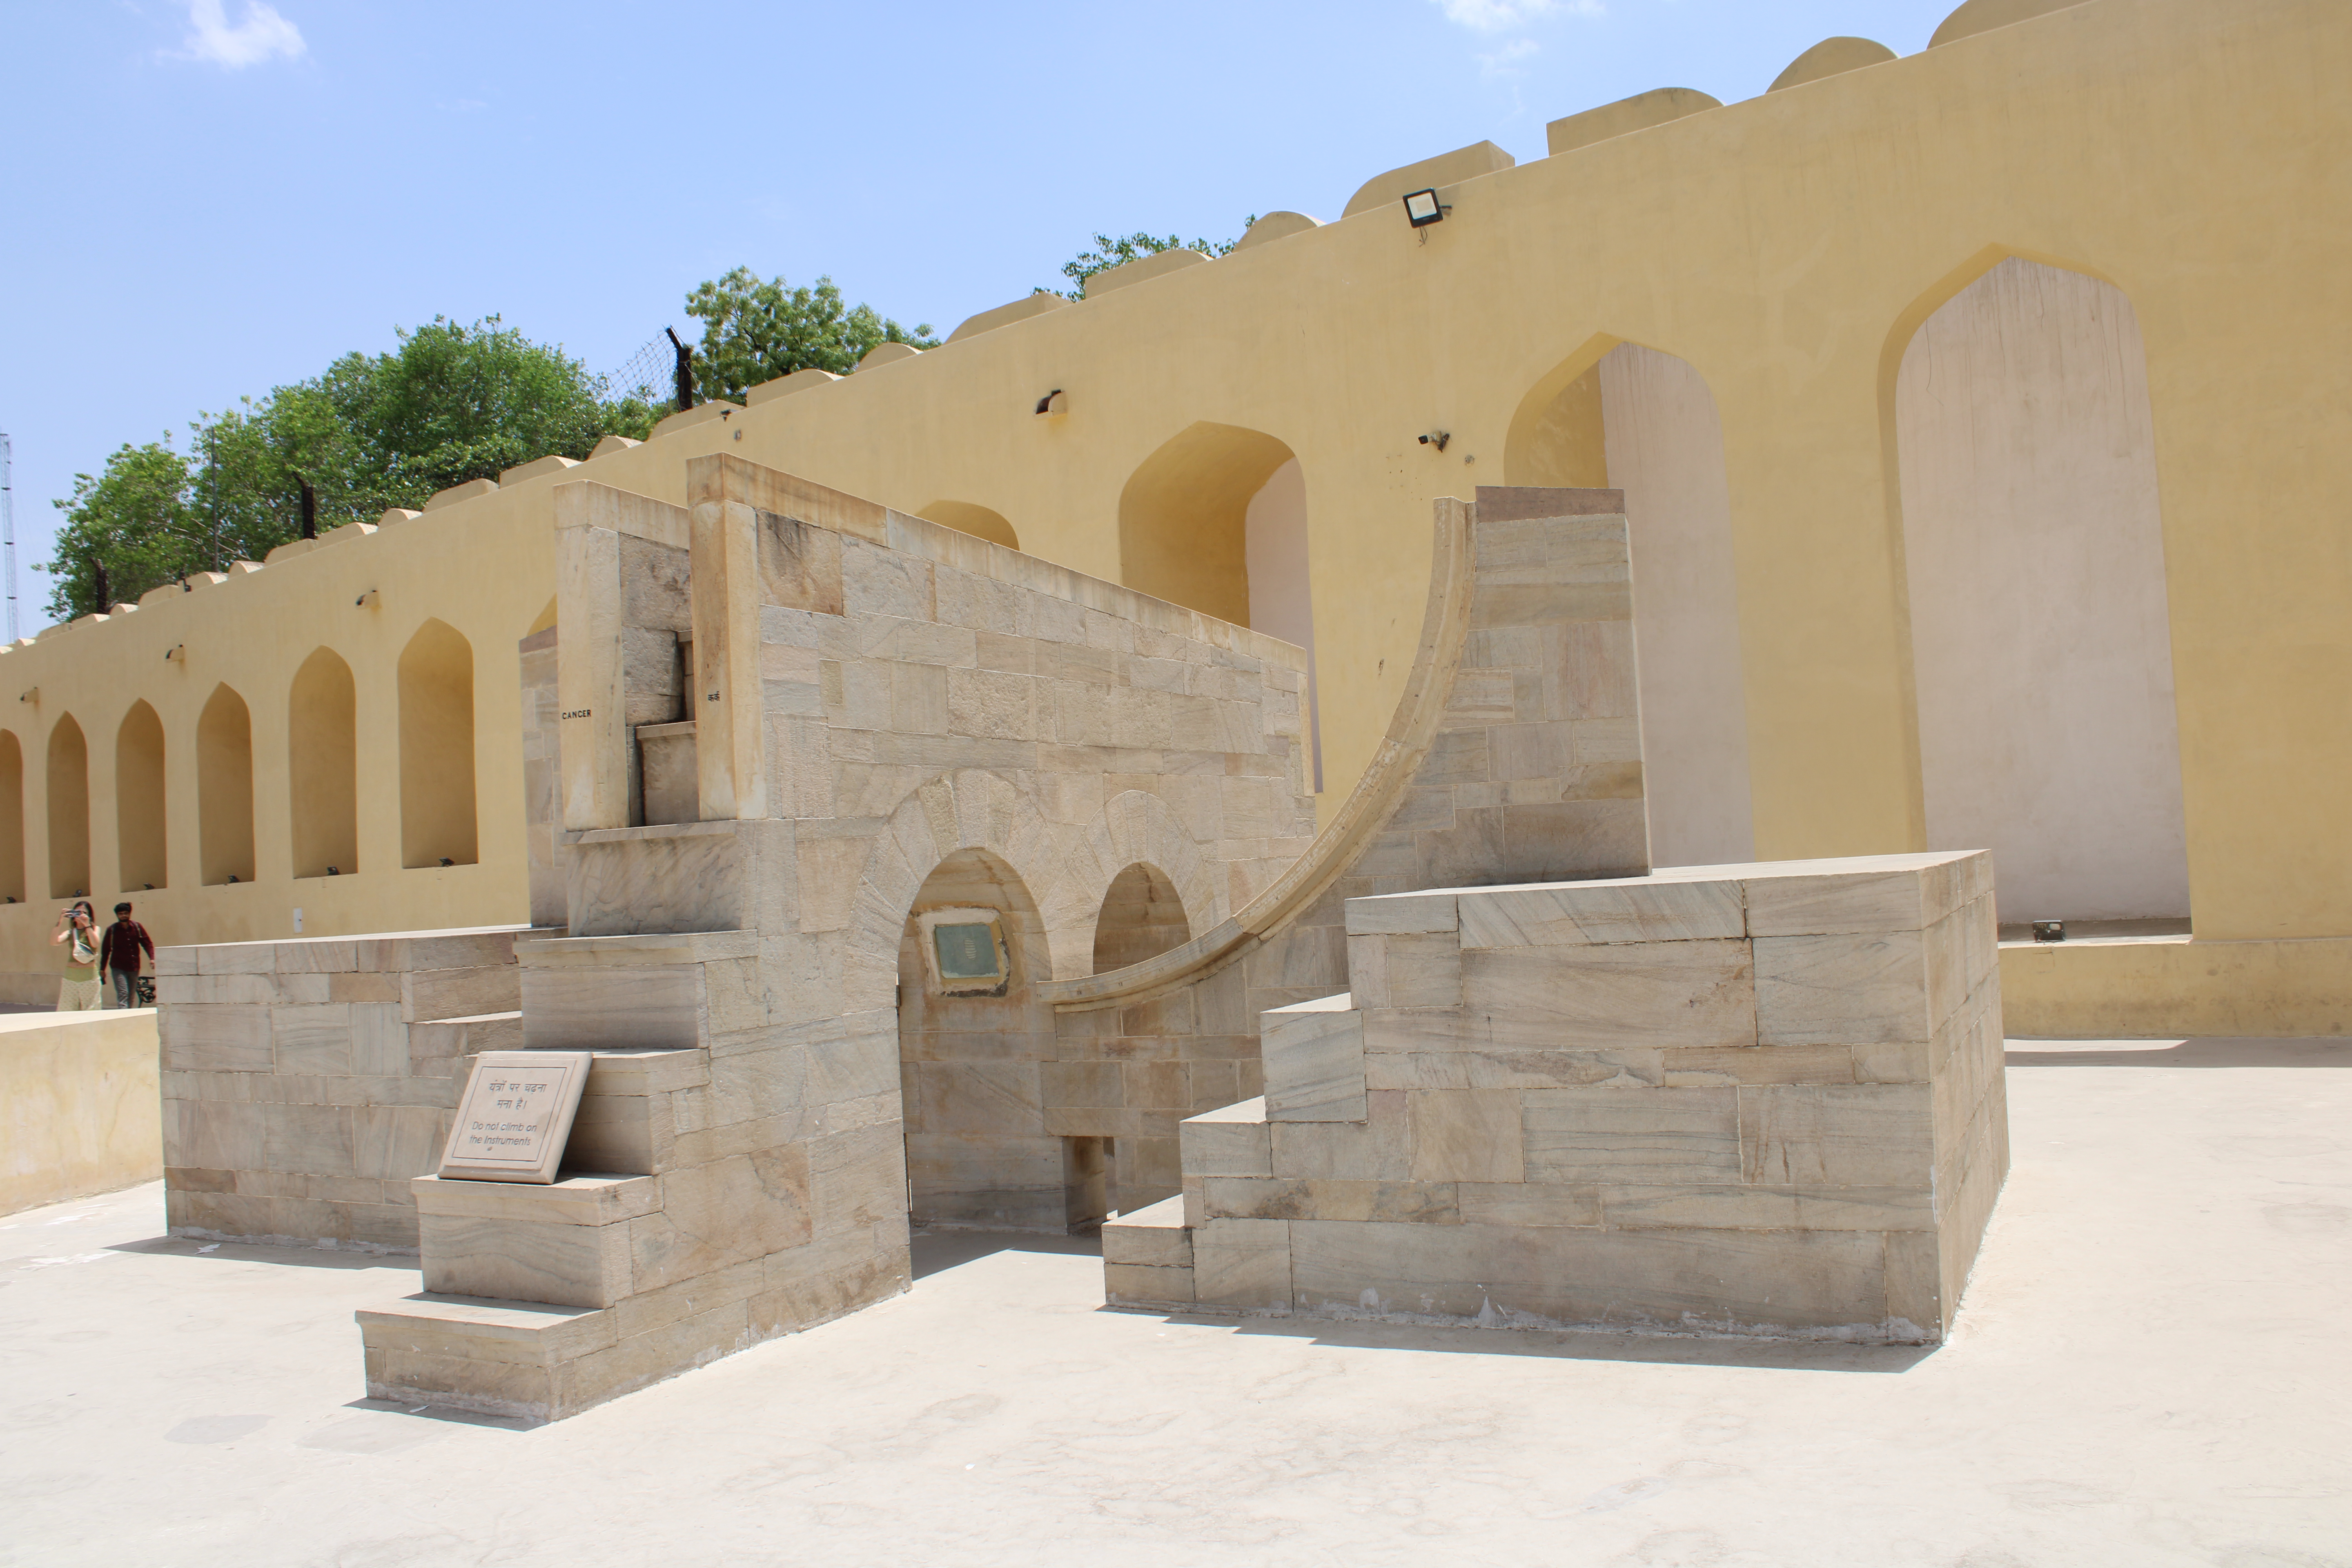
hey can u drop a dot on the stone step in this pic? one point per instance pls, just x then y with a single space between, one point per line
493 1358
1147 1258
564 1243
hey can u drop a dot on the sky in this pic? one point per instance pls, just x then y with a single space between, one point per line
203 199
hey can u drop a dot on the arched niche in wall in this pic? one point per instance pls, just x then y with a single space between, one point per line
973 1051
138 815
1183 517
322 766
224 789
2041 639
437 748
1620 416
69 810
12 817
979 522
1142 916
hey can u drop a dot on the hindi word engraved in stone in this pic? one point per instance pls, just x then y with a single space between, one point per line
515 1116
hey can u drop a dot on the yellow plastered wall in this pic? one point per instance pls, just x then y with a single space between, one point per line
1786 248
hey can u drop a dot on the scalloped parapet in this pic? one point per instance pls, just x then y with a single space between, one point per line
1036 304
1445 169
1143 269
1659 106
1273 226
553 463
807 380
1831 56
457 493
1984 15
887 354
688 418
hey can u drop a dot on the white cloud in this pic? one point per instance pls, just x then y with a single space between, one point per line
1495 16
1504 64
260 33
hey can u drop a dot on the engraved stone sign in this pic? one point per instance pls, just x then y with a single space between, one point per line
515 1116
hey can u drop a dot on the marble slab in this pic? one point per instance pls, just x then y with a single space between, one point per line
515 1115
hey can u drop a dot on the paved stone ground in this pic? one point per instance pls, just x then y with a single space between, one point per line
2149 1369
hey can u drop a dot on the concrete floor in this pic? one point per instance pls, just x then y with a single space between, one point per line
2149 1369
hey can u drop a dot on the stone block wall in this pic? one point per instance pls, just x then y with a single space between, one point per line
306 1082
1750 1100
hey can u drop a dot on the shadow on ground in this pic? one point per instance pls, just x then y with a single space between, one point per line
936 1251
294 1255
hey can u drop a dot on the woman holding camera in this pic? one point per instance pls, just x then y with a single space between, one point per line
78 934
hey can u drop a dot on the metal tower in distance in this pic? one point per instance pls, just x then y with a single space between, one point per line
8 524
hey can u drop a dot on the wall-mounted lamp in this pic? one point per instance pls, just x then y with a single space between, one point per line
447 861
2050 930
1437 438
366 601
177 654
32 694
1053 403
1422 208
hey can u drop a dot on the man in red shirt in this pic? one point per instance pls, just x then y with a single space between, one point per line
118 955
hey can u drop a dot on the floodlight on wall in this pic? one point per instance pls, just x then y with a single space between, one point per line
367 601
1437 438
177 654
1053 403
1422 208
2050 930
32 694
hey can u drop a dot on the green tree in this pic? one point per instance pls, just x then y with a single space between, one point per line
452 403
756 329
1116 250
134 517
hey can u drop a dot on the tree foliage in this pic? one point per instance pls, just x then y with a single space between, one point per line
756 329
452 403
1117 250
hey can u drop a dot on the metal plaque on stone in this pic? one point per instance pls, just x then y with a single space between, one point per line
515 1116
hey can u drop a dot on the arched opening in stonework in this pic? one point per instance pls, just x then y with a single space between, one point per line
12 817
979 522
436 749
322 766
2040 637
1142 917
976 1051
138 833
224 789
1621 415
69 810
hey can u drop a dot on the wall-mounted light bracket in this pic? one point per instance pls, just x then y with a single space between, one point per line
177 654
369 599
1437 438
32 694
1053 405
